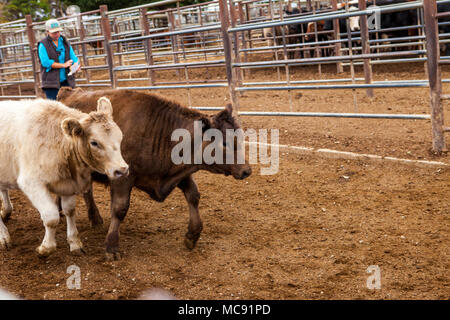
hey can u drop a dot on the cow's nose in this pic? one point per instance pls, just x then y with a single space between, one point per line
121 172
246 173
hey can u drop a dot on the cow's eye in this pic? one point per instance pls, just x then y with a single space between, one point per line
94 144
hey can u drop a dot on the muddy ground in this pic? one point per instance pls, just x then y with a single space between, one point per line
308 232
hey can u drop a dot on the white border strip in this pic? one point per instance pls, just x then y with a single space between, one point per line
336 154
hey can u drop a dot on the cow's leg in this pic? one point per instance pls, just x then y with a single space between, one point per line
45 204
190 190
68 206
120 202
5 239
93 212
7 207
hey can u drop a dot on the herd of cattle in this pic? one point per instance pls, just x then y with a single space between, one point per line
52 148
317 32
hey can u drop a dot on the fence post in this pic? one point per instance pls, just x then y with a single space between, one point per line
237 56
108 50
365 47
174 40
434 75
337 36
225 23
83 46
148 44
32 44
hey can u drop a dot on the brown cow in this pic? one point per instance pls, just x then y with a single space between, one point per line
147 122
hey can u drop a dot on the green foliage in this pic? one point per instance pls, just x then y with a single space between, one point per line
88 5
17 9
45 9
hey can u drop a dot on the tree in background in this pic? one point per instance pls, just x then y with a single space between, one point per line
17 9
88 5
45 9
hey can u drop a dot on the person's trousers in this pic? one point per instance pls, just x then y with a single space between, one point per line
51 93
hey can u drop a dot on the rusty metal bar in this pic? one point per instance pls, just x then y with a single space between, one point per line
236 44
365 46
225 24
32 44
434 75
337 36
107 33
83 46
148 44
173 39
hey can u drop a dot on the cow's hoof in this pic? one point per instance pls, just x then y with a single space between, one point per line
113 256
78 252
189 243
44 252
5 242
75 244
5 214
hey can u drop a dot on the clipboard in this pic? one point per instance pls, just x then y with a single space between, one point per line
73 68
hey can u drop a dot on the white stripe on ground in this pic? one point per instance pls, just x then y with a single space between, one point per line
336 154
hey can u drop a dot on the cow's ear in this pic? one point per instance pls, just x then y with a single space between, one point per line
206 124
63 93
72 127
229 108
104 106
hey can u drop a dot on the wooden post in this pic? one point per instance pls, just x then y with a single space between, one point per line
237 55
434 75
365 47
225 24
147 44
83 46
173 40
244 41
107 34
308 5
337 36
33 53
248 18
119 46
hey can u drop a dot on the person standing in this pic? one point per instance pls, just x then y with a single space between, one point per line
56 57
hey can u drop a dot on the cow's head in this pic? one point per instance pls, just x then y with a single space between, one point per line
354 21
96 139
231 144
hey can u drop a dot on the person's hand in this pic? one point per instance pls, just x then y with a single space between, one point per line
68 63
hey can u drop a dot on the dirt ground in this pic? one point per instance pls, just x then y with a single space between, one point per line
308 232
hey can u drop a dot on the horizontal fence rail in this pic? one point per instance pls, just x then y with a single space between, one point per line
132 47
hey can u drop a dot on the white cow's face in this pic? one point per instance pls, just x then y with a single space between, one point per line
354 21
97 139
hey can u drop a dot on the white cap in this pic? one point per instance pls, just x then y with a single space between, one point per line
53 25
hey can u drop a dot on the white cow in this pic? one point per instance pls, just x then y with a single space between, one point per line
48 148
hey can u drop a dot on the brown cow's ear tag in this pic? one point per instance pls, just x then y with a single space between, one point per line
71 127
104 106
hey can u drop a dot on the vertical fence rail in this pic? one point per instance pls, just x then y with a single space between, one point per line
147 44
337 46
107 33
365 47
83 46
32 44
434 75
225 24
